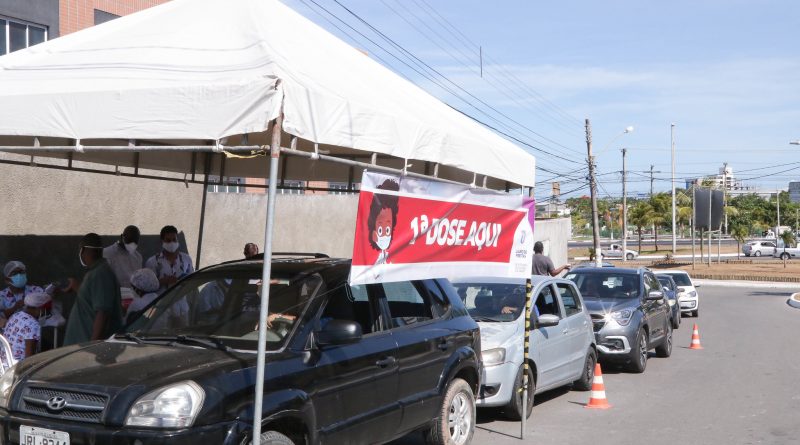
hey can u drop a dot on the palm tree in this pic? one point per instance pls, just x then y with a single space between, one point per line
739 233
660 204
787 237
641 216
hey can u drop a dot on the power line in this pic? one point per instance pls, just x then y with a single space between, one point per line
427 77
467 65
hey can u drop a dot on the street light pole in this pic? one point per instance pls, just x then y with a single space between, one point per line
624 208
674 234
593 192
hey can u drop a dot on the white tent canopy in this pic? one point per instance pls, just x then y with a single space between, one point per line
193 71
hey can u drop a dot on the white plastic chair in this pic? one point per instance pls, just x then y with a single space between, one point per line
6 355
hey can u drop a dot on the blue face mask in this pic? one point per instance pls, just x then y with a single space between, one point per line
19 280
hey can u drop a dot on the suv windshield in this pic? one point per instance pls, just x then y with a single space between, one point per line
492 301
607 285
224 306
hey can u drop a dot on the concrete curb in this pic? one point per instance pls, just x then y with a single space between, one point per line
794 301
742 277
747 284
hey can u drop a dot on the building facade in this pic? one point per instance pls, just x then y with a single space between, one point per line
24 23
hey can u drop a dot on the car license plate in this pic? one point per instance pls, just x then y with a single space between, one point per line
29 435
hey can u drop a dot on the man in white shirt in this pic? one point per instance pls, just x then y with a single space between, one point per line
123 256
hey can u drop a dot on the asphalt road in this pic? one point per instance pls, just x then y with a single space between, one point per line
741 389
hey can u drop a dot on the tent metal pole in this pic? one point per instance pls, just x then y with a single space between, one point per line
275 151
201 230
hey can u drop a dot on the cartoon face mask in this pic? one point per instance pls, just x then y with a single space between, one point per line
382 235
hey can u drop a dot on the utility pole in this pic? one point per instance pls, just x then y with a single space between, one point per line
651 180
778 228
593 191
624 208
674 213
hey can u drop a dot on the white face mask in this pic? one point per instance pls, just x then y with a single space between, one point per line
171 247
384 241
130 247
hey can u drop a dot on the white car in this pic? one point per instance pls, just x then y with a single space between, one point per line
688 298
758 248
616 251
562 342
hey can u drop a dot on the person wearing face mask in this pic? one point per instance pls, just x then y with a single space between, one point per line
23 331
145 284
97 311
123 256
12 298
169 264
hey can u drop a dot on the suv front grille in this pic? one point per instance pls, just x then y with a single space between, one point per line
80 406
598 321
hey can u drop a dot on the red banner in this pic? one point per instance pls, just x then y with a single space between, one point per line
410 228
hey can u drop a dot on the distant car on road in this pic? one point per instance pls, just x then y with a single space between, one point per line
758 248
616 251
688 298
629 312
562 343
671 291
786 253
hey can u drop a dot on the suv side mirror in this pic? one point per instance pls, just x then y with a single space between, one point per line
681 289
547 320
655 295
339 332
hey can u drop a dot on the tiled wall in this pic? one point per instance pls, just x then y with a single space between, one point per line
79 14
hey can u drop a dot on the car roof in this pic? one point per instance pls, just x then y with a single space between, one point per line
289 265
535 279
607 270
674 271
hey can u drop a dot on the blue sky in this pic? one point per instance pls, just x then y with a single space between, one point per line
726 72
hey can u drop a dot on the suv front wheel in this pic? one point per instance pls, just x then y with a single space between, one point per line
639 353
455 423
275 438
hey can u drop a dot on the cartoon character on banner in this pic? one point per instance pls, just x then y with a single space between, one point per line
382 219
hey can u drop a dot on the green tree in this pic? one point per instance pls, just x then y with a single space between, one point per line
739 233
662 206
641 216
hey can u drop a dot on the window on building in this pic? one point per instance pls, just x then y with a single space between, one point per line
228 185
292 188
102 16
16 35
338 188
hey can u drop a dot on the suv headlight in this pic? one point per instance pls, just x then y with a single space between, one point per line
494 357
623 317
693 294
173 406
7 381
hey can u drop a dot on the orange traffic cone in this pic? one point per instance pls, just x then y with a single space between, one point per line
695 339
598 398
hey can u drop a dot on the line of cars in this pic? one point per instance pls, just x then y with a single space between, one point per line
770 248
346 364
611 314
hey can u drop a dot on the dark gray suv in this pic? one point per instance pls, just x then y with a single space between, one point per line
629 312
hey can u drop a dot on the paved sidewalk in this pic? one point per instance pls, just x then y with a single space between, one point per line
748 284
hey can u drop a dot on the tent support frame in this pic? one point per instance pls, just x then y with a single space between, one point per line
275 152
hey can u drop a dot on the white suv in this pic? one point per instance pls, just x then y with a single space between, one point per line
688 298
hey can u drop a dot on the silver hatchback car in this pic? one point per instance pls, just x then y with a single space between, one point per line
562 343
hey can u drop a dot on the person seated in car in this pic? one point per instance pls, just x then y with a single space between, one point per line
591 288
